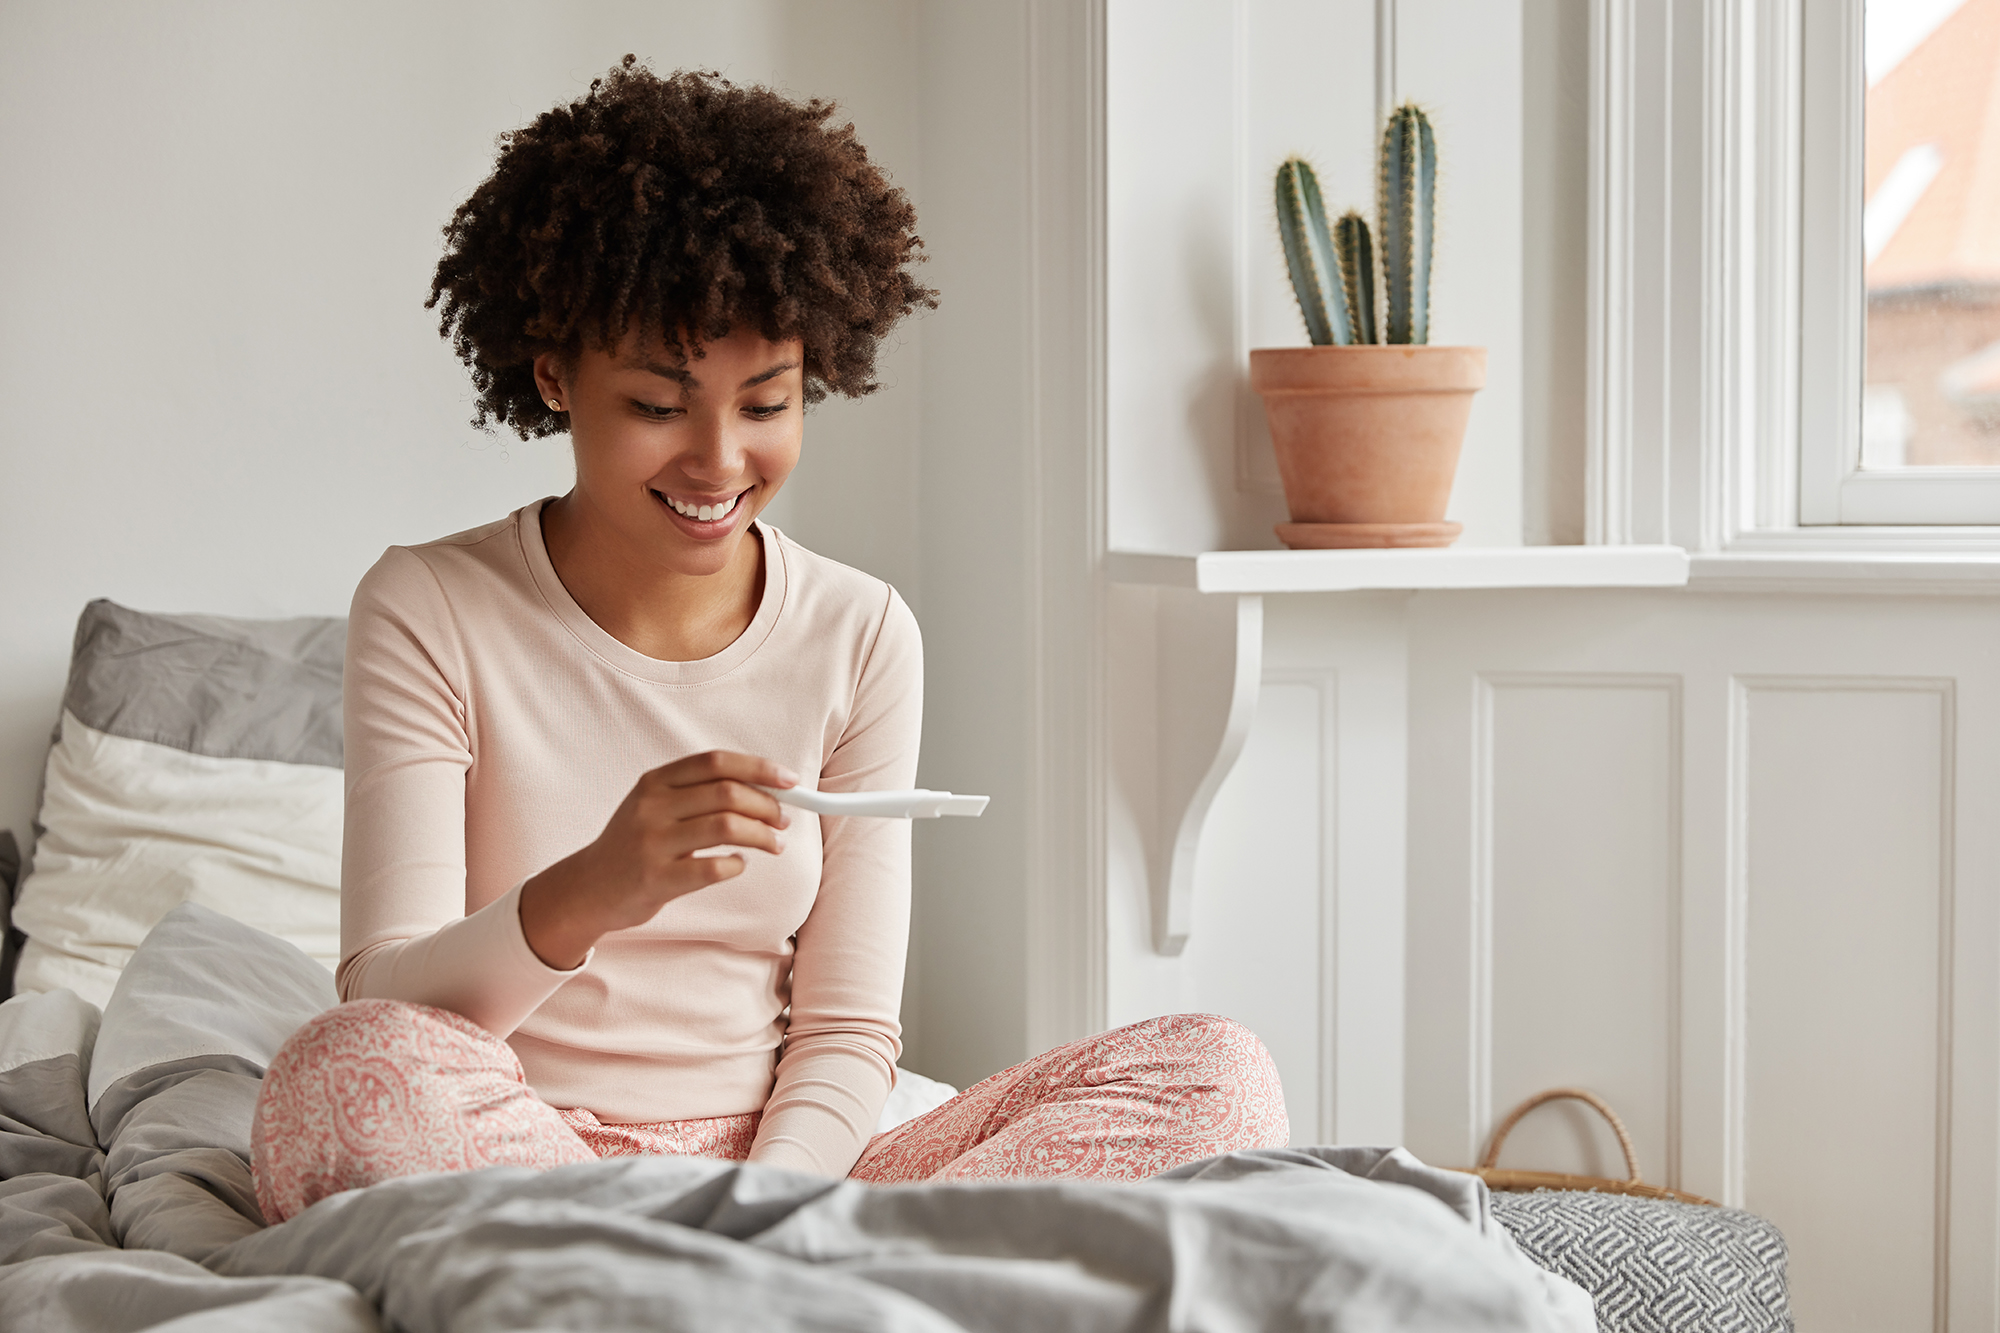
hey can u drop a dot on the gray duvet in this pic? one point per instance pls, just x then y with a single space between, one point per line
126 1203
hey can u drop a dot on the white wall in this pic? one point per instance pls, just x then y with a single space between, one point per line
218 233
968 967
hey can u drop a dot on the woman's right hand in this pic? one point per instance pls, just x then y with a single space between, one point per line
645 858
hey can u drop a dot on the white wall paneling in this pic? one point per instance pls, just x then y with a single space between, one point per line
1723 859
1844 796
1352 644
1296 906
1269 859
1575 893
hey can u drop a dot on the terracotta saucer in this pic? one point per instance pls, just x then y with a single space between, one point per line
1333 536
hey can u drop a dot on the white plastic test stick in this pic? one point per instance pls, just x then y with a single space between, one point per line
881 804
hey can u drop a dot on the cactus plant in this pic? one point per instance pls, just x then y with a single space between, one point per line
1309 254
1409 222
1356 253
1333 274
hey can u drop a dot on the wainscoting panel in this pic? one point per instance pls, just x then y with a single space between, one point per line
1267 859
1846 788
1732 862
1298 914
1578 810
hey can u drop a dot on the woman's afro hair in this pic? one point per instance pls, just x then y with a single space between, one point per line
684 207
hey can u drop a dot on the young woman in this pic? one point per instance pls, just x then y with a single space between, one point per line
573 923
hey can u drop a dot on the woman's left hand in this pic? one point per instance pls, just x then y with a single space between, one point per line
646 856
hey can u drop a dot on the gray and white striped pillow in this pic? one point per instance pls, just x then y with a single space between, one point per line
197 760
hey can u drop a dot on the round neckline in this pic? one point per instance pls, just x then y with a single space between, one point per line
614 651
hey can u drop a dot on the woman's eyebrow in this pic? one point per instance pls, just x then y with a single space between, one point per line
770 374
687 379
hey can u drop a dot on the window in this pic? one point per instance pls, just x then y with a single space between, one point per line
1794 323
1900 374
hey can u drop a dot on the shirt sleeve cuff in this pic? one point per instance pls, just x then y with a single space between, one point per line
479 966
516 939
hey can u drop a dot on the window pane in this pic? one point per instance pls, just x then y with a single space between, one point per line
1931 233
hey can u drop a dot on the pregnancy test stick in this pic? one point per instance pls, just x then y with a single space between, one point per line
881 804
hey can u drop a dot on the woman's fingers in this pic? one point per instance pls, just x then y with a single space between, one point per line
715 869
692 787
717 765
726 828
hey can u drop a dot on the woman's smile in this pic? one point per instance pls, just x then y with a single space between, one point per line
704 518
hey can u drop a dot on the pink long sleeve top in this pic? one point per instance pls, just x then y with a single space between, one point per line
493 727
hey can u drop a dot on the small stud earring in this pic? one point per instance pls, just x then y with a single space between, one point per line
554 406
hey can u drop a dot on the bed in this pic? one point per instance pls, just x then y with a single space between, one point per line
179 920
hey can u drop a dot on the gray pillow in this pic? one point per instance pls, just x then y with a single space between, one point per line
1656 1265
213 685
197 758
197 1016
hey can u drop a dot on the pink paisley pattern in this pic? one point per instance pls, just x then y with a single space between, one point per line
376 1089
726 1136
1122 1105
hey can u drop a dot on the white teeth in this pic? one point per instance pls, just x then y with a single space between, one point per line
704 513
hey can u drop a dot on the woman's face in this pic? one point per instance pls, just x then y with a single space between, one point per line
673 463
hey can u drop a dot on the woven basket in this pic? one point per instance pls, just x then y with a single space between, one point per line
1503 1179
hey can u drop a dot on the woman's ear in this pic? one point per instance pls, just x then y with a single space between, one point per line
548 378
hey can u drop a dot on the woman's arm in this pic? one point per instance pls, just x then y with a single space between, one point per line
847 973
404 930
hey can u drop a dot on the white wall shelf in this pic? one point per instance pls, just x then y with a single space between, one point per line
1245 572
1210 657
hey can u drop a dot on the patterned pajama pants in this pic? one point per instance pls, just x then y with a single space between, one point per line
376 1089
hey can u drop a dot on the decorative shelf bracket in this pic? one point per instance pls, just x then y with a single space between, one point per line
1210 664
1210 656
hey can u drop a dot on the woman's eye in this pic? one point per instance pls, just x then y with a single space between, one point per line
660 413
765 411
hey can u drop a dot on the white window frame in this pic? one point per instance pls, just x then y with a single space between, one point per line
1832 487
1726 304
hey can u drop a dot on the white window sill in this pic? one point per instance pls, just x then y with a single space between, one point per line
1247 572
1940 572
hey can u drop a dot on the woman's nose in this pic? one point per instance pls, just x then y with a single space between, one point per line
715 451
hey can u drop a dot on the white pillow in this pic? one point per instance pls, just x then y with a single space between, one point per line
911 1097
197 760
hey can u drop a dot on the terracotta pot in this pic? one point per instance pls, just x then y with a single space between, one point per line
1367 439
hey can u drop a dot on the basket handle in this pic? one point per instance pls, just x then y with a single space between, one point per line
1589 1099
